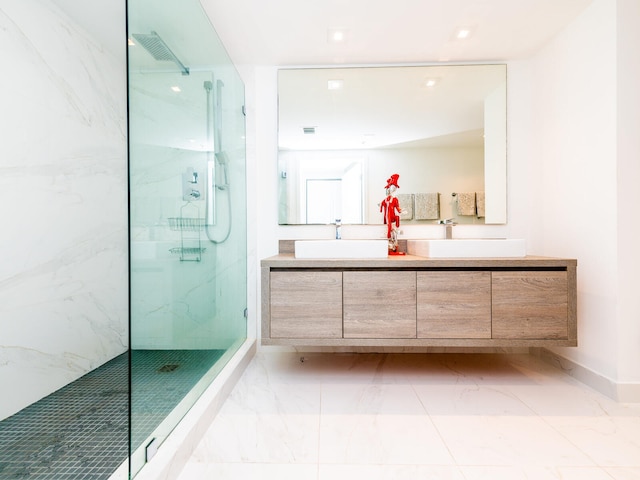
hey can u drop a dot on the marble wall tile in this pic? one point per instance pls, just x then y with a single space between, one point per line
63 202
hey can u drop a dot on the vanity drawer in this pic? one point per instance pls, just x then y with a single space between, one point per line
379 304
530 305
306 304
454 304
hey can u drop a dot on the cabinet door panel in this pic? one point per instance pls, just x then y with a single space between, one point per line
530 305
454 304
379 304
306 304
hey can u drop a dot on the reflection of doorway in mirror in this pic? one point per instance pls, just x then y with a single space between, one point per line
324 200
325 191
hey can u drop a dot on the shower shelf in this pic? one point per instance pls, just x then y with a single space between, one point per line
188 224
188 251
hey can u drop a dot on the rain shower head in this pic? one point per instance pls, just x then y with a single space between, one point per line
159 50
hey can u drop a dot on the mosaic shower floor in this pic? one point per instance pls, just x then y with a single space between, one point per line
82 430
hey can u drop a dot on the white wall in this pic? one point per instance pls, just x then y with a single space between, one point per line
582 162
628 179
63 275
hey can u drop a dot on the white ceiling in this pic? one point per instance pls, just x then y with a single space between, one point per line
295 32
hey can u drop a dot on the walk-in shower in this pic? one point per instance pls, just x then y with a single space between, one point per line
98 368
187 214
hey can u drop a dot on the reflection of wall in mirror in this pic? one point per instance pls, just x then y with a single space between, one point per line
428 170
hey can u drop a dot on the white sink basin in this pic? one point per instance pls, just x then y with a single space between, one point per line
341 248
467 247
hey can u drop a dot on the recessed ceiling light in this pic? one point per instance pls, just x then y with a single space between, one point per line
430 82
176 88
335 84
336 35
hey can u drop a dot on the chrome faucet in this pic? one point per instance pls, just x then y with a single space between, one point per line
448 227
338 229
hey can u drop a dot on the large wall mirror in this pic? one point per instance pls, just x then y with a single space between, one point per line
342 132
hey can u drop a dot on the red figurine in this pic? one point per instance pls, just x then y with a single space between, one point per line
390 208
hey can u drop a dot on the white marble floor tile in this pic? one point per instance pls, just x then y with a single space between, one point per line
296 368
624 473
377 424
449 369
471 399
608 440
569 399
389 472
345 399
507 440
274 424
412 416
248 471
534 473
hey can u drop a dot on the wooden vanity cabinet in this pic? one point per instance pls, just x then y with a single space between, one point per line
414 301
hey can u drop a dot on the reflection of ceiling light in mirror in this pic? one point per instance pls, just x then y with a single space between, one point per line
176 88
430 82
463 33
336 36
335 84
130 42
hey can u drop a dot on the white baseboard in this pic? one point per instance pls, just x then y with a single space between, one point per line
620 392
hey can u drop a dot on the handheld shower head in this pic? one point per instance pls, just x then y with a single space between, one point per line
222 158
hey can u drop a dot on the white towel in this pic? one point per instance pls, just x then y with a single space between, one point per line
466 203
480 204
406 205
427 206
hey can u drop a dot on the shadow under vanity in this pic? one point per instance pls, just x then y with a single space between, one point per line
412 301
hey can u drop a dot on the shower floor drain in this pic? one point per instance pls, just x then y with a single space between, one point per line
168 368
